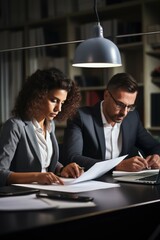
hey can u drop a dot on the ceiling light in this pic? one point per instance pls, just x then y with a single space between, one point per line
97 52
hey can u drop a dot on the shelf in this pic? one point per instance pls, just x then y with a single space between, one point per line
130 46
156 80
62 25
155 53
92 88
155 129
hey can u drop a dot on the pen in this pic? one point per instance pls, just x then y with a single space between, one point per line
140 154
142 157
81 168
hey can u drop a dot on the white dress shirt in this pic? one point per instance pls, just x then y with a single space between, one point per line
113 138
45 145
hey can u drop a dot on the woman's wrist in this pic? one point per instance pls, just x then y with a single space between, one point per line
60 170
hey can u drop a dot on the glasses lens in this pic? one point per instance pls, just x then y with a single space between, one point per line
131 108
120 105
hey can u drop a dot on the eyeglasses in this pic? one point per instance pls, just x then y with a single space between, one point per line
121 105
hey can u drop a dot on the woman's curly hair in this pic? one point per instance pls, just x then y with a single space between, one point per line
37 86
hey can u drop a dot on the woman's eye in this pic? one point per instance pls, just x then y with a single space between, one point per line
54 100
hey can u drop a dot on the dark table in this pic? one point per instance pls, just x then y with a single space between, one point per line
129 209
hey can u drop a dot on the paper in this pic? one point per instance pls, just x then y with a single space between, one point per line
73 185
82 183
123 173
73 188
25 202
97 170
31 202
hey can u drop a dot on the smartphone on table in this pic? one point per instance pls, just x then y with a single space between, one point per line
64 196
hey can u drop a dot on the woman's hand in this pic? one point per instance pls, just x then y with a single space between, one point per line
30 177
72 170
48 178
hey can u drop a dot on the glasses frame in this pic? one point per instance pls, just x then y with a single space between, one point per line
121 105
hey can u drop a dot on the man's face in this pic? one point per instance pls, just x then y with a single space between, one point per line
117 104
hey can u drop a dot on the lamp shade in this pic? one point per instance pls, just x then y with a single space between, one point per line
97 52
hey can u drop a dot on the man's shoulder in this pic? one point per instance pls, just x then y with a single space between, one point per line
85 109
132 117
132 114
89 109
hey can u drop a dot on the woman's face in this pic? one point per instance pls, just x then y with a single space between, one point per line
52 105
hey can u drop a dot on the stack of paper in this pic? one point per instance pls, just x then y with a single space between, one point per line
123 173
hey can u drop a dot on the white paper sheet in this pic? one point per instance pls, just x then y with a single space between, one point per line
73 188
97 170
123 173
25 202
31 202
73 185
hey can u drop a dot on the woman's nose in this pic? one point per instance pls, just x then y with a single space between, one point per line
58 107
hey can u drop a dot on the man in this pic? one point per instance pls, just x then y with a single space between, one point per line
110 129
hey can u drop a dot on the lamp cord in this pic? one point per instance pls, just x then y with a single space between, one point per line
73 42
95 10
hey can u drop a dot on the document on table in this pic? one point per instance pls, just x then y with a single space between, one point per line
73 188
31 202
83 183
97 170
123 173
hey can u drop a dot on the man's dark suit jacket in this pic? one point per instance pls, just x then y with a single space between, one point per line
84 141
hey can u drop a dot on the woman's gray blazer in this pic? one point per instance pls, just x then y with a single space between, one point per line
19 150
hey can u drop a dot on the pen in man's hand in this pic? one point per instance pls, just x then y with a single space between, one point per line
140 154
142 157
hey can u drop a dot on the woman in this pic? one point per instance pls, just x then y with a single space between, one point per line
28 146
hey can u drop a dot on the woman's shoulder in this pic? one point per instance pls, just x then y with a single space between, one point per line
13 122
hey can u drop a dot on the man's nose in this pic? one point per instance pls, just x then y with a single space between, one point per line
125 110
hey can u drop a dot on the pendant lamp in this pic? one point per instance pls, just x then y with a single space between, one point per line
97 52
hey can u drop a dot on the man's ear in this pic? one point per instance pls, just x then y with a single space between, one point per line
105 93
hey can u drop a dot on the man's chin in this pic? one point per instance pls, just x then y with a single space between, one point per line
119 120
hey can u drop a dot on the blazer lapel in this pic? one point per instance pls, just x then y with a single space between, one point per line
125 137
55 155
32 138
99 128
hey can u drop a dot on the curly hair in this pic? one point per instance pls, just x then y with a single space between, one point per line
37 86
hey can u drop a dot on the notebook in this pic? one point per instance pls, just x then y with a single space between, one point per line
11 190
149 177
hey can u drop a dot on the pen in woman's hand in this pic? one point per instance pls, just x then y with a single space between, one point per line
81 168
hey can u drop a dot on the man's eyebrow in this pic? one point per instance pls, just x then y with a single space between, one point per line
125 104
128 105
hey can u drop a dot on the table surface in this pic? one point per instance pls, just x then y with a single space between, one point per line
111 200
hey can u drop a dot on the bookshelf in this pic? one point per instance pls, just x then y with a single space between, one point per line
26 23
